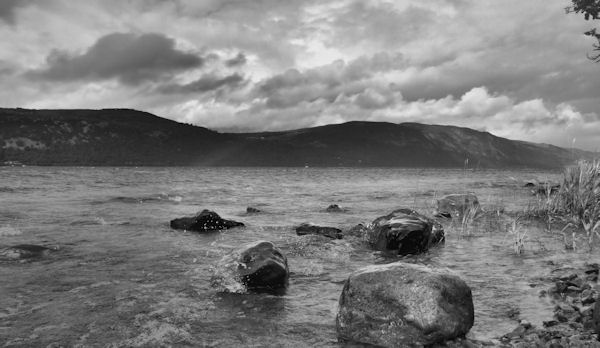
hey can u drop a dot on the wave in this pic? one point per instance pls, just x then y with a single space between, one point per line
159 198
7 231
8 189
92 222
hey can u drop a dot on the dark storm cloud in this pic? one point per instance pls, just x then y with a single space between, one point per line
329 82
205 84
238 60
9 7
131 58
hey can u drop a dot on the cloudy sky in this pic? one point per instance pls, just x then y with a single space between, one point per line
515 68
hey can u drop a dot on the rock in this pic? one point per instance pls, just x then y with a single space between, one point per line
400 304
24 251
404 231
587 297
330 232
543 188
334 208
253 266
596 318
251 210
206 220
359 230
457 204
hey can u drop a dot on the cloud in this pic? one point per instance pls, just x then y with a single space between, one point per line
516 68
128 57
238 60
8 9
204 84
330 81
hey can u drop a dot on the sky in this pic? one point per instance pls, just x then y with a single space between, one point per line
517 69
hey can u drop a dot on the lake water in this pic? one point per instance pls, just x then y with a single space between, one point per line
122 278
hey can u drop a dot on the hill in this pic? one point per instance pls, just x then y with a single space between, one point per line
129 137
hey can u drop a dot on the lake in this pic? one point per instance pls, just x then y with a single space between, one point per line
120 277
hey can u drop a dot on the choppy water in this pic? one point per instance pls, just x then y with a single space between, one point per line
122 278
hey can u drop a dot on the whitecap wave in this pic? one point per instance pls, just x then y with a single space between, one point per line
7 231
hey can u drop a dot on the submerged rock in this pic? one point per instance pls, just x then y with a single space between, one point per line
542 188
206 220
254 266
252 210
334 208
400 305
457 204
330 232
404 231
359 231
24 251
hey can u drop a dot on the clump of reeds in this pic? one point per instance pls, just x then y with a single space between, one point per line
518 234
576 203
578 199
467 218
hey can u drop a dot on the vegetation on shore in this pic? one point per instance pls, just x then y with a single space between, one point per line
575 206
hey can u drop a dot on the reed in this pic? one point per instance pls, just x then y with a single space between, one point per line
518 234
578 200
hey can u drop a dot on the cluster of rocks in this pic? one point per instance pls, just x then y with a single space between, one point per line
390 305
576 321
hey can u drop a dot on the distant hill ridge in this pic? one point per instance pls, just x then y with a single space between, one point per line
124 137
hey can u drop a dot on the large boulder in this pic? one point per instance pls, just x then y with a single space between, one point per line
457 204
206 220
403 305
254 266
404 231
329 232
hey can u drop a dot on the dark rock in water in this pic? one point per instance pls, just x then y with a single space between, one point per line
251 210
334 208
457 204
404 231
404 305
542 188
596 318
206 220
359 230
330 232
255 266
24 251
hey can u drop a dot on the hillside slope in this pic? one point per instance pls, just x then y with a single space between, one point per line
130 137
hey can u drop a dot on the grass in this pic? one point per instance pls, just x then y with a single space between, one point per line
576 204
519 235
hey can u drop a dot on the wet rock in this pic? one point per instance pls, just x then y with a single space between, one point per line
543 188
400 304
25 251
330 232
404 231
254 266
596 318
457 204
334 208
359 231
206 220
587 297
252 210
